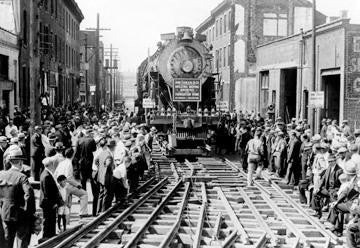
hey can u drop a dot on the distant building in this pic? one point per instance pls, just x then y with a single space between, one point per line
129 90
285 78
235 28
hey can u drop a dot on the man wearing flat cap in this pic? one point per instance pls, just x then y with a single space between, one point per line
345 128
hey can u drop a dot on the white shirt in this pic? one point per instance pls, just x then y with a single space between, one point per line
65 168
9 129
356 159
120 151
120 172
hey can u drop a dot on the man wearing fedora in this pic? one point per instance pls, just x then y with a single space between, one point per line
50 198
343 204
18 204
3 146
37 153
329 186
105 164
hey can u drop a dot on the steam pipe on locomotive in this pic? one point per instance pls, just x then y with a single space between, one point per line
173 82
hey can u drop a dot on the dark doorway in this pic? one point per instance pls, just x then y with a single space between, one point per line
288 86
6 100
331 86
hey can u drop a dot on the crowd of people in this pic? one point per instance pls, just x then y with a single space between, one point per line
72 148
324 166
75 147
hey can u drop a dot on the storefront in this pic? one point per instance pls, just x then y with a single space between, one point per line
284 74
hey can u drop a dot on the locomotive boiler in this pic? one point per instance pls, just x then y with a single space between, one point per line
176 91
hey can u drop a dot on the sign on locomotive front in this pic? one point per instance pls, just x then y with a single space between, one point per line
187 90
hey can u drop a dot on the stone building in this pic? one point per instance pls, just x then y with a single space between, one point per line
285 77
235 28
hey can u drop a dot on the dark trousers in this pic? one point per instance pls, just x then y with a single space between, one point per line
303 187
293 173
94 190
9 231
304 160
49 229
36 167
106 197
119 190
337 214
317 200
353 235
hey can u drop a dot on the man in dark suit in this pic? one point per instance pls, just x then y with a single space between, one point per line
105 162
329 186
342 206
37 153
50 198
17 204
84 157
293 159
3 146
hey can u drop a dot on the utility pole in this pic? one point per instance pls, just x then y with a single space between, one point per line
314 115
86 69
111 88
97 62
111 52
34 49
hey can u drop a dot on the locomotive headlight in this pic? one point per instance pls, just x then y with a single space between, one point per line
187 66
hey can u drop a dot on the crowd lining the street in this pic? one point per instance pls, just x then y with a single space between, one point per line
325 166
75 146
72 147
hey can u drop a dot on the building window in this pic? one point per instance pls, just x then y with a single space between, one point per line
224 56
217 60
275 24
221 26
229 20
213 33
52 7
25 27
225 20
4 67
217 28
264 80
228 55
220 57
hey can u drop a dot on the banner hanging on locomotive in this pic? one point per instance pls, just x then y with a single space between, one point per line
187 90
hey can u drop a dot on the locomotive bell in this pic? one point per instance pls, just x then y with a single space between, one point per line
186 37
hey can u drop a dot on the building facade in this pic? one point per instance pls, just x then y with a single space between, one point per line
234 30
55 26
285 75
9 54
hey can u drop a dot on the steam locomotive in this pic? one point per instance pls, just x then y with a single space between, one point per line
176 91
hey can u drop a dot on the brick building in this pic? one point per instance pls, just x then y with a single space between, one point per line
55 24
235 28
285 78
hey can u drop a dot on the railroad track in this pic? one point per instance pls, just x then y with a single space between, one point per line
204 203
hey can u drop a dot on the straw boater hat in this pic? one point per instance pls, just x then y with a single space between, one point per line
59 146
350 168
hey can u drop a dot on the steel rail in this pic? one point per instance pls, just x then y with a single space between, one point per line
69 241
322 229
199 227
55 240
230 211
95 241
258 217
191 167
139 234
230 240
174 229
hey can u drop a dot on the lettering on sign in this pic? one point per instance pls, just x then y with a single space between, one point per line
222 106
187 90
148 103
317 99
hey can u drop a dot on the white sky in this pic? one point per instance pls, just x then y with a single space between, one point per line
136 25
